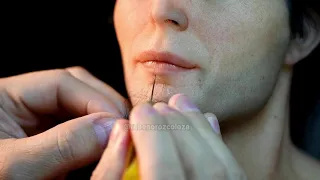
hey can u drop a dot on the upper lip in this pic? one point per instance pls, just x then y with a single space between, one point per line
164 57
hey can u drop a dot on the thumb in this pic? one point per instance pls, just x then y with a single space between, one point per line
66 147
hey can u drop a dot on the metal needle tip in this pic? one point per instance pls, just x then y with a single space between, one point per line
151 97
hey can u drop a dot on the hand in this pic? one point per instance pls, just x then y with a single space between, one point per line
196 152
34 102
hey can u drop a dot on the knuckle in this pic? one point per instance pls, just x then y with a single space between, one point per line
8 127
60 76
62 73
78 69
65 146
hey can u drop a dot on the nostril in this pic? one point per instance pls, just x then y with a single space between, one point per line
172 21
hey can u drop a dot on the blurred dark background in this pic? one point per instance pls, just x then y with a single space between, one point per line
53 34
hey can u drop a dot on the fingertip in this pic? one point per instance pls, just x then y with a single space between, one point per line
163 108
210 115
103 128
113 161
213 121
183 103
142 110
120 128
174 98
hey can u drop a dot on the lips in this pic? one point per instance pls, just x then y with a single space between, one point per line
164 61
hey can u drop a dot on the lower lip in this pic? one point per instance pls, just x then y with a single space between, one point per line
164 68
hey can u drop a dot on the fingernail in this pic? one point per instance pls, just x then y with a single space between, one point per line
121 139
214 123
143 110
115 133
102 128
185 104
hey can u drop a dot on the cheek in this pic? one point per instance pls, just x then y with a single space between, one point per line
130 18
248 44
243 36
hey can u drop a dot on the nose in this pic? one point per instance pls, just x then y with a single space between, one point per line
166 13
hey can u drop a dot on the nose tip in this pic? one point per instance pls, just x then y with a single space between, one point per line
165 14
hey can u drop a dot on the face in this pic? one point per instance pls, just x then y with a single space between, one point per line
225 55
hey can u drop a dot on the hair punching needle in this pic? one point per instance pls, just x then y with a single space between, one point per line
152 90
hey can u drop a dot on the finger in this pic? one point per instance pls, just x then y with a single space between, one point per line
195 154
86 77
9 128
184 105
156 152
48 92
68 146
112 164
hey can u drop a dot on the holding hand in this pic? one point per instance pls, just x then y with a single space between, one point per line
195 153
35 102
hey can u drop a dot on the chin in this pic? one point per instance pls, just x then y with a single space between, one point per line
162 93
140 82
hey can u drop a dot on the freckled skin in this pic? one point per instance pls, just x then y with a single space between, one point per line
239 46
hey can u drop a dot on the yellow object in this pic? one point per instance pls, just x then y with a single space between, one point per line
132 171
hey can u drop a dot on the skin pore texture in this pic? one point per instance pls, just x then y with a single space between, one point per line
241 48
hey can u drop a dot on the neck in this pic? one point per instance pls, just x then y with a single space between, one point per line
263 146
